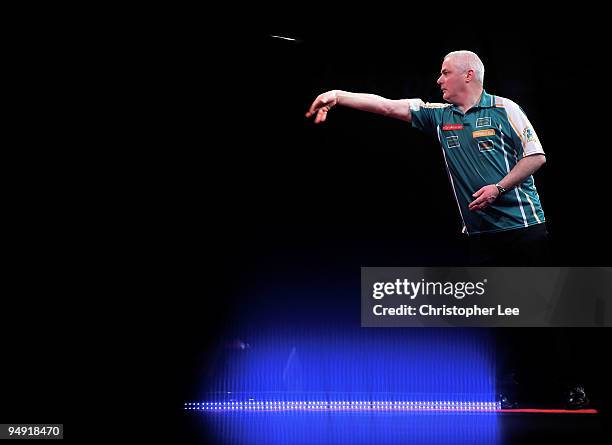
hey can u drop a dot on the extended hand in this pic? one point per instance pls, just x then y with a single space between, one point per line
321 106
485 196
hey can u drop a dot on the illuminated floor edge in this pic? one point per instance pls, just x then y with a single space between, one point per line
549 411
320 405
337 406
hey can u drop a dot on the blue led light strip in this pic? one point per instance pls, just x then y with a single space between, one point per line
322 405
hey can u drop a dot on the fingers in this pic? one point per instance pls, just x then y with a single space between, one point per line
313 110
483 199
321 115
477 203
480 203
478 193
316 106
474 205
320 107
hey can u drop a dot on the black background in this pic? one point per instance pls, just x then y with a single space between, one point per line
275 197
225 183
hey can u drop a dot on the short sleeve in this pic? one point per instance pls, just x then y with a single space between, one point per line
523 130
426 116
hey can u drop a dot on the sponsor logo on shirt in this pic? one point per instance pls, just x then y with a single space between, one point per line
483 122
448 127
481 133
486 145
529 134
452 141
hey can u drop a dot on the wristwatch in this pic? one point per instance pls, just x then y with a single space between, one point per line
500 188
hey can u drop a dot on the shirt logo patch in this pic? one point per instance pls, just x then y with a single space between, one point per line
481 133
447 127
486 145
483 122
452 141
529 134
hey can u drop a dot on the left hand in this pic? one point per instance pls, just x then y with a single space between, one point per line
484 197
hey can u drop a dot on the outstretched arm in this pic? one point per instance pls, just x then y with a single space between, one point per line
523 169
398 109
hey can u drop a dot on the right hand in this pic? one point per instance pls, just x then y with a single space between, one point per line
322 104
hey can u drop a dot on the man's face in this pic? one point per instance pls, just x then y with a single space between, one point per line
451 81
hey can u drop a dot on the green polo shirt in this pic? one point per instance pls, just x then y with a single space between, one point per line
480 147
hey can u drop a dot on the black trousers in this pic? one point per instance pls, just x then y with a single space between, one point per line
519 247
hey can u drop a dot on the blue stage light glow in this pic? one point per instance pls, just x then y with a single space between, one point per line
337 384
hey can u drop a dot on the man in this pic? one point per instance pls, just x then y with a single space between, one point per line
490 150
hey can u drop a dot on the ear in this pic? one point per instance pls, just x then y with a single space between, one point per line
469 76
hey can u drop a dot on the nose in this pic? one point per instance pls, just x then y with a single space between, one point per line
439 81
